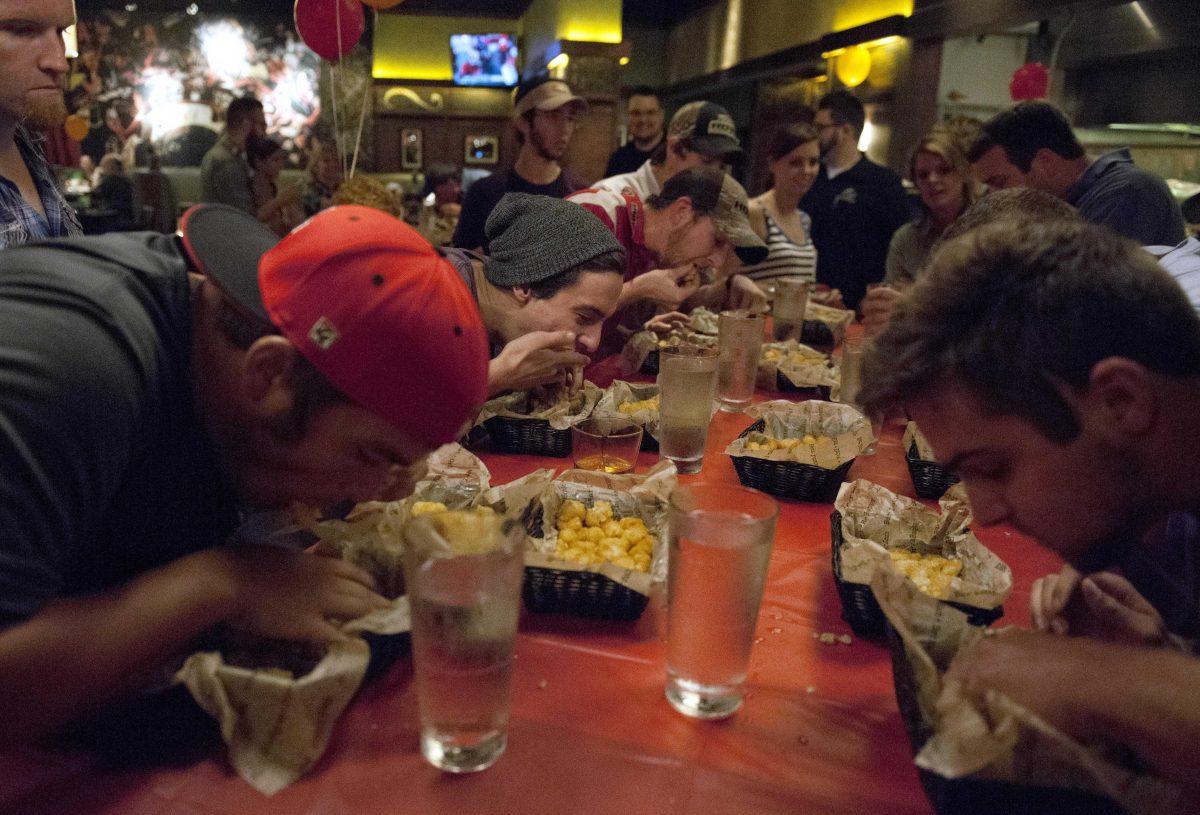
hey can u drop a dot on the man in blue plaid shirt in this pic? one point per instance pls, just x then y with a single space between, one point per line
32 67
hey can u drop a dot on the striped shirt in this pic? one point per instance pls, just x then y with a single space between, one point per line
19 222
785 257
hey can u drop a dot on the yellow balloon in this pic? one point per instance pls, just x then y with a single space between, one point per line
76 127
382 4
853 66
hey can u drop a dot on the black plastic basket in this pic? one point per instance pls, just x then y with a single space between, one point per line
930 479
784 385
862 611
583 594
649 443
650 363
974 796
789 479
817 334
534 437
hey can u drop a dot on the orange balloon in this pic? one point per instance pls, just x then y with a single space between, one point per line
77 127
380 5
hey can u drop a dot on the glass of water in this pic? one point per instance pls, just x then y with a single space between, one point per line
687 382
463 576
720 538
851 378
739 344
788 308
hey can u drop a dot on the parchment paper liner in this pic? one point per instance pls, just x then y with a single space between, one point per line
846 432
621 392
560 416
639 346
913 434
704 321
836 318
801 374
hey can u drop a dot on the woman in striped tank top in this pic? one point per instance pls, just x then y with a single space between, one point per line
795 160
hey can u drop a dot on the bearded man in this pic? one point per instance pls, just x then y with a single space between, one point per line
545 114
33 64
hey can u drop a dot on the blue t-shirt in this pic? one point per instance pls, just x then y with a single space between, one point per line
1137 204
105 469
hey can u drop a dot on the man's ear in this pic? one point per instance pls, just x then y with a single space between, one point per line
268 376
521 294
1121 402
680 211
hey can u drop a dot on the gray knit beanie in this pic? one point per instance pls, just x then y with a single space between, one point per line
534 237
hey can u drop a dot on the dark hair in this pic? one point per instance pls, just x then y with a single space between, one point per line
260 149
701 185
1019 203
1023 130
844 108
1016 310
788 137
439 174
681 145
643 90
240 110
313 393
610 262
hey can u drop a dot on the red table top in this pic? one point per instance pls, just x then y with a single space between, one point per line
591 731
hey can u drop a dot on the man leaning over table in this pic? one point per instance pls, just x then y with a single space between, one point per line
33 66
553 276
143 408
1056 368
671 240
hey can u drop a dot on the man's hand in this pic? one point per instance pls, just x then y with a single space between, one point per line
537 358
293 595
667 322
1103 606
743 293
1049 675
877 308
667 287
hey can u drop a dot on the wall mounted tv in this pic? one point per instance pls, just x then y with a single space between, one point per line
484 59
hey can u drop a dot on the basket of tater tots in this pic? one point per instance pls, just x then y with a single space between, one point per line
635 402
641 352
985 753
800 451
873 528
930 479
793 367
596 545
824 326
536 422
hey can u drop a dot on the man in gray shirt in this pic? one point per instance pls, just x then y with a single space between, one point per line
1032 145
224 172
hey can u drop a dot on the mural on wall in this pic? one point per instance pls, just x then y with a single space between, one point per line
161 81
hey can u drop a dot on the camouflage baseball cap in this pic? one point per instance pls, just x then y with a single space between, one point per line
715 193
709 127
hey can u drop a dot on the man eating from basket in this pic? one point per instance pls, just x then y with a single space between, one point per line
1056 368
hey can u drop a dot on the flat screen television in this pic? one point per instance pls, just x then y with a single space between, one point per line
484 59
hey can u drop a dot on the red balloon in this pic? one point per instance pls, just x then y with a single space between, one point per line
1030 81
317 24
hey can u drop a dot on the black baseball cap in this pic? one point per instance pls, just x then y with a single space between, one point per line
709 128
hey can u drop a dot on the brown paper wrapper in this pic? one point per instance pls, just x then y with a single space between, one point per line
276 726
643 496
995 738
620 393
560 416
639 346
876 520
846 432
818 370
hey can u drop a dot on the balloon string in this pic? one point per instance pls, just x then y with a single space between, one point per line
337 17
362 116
337 130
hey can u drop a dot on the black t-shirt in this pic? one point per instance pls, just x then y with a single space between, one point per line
105 470
853 218
485 193
626 159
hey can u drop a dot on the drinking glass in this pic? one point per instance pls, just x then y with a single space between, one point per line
851 378
788 308
606 444
687 381
739 344
463 577
719 543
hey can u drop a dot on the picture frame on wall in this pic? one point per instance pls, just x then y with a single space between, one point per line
411 148
481 149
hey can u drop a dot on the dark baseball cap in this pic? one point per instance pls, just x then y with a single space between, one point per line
709 128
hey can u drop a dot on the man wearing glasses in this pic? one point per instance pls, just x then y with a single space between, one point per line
701 134
545 115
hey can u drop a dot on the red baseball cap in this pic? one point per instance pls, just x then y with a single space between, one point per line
369 303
